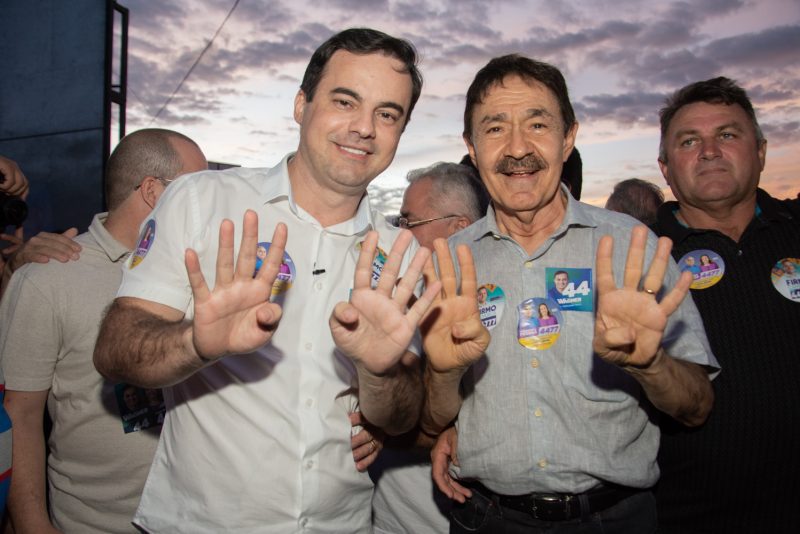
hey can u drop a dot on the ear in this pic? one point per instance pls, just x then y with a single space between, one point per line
461 223
762 153
299 106
569 141
471 149
664 170
151 190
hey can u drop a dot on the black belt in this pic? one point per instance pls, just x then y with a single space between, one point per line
562 506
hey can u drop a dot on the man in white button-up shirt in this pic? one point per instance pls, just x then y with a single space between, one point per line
257 435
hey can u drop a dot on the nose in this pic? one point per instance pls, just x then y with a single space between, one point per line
710 148
518 144
363 124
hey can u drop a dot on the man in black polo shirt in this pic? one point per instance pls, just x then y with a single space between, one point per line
740 472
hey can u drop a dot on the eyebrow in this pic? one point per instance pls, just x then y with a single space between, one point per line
529 114
386 104
735 125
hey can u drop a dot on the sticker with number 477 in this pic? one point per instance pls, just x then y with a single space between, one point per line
570 287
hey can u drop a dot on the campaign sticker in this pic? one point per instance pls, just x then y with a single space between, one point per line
377 263
786 278
570 288
286 273
491 302
706 266
539 323
146 239
139 408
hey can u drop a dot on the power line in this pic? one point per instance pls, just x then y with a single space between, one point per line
196 62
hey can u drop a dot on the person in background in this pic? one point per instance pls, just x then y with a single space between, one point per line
638 198
51 313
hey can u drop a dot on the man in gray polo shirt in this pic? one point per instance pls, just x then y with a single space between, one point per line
557 427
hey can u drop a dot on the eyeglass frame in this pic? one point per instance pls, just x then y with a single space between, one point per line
164 181
403 222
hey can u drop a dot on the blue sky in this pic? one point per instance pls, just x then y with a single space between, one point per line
620 59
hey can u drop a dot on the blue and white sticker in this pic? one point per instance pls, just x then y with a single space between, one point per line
786 278
570 288
491 303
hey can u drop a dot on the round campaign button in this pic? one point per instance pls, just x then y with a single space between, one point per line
707 267
146 239
491 303
786 278
286 273
539 323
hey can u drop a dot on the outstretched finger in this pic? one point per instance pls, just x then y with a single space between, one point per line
363 275
225 254
391 269
246 259
447 270
634 263
421 305
197 281
469 281
271 265
654 278
603 262
673 299
405 288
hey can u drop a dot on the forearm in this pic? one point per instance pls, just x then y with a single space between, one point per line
392 401
143 349
442 400
27 502
678 388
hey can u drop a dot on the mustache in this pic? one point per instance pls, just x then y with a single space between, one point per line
531 163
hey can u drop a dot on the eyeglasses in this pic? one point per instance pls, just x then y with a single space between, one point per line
164 181
403 222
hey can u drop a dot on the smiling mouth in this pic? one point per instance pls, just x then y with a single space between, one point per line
354 151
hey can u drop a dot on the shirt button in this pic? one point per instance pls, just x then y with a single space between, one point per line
309 402
496 237
537 412
318 285
534 363
303 522
542 463
529 264
309 464
308 346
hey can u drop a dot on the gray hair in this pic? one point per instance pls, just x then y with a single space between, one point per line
147 152
457 183
638 198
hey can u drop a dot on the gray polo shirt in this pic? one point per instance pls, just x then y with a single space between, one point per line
560 419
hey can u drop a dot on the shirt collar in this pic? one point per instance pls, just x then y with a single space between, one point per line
277 186
112 248
575 215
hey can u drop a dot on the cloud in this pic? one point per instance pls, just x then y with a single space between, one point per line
625 109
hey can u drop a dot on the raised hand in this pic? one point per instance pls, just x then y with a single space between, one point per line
452 333
236 316
375 328
630 322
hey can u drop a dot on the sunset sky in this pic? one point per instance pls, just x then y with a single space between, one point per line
620 59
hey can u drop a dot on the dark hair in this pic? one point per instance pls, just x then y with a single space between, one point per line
719 90
363 41
499 68
638 198
572 173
